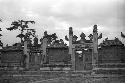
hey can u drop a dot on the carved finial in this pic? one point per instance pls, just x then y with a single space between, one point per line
122 35
82 35
66 38
75 38
95 28
7 45
70 31
90 36
45 34
100 36
106 39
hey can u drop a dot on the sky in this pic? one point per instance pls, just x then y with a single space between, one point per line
56 16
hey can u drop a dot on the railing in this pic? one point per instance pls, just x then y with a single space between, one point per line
55 65
111 65
10 64
110 68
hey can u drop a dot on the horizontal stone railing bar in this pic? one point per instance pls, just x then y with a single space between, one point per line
9 64
110 72
111 65
109 69
56 65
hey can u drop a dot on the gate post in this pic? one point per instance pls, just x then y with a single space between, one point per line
26 53
44 46
95 47
71 51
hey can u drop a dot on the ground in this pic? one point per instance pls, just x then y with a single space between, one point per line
58 77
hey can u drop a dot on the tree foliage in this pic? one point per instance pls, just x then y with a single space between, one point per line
30 33
50 37
20 25
1 44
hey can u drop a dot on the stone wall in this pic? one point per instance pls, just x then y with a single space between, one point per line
11 57
112 54
58 55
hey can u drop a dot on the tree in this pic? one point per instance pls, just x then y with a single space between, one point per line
20 25
29 35
50 38
1 44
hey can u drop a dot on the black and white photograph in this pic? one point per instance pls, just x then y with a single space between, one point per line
62 41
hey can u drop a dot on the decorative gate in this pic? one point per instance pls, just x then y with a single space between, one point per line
82 45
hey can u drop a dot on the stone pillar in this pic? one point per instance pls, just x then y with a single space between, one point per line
0 57
36 59
95 47
36 62
71 53
27 54
73 60
44 46
84 56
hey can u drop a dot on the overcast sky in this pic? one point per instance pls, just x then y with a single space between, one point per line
58 15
